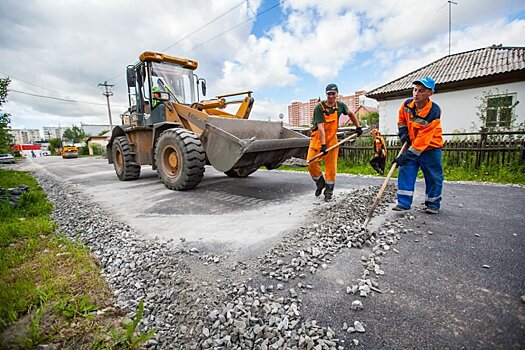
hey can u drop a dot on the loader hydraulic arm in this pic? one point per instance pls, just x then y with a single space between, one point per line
215 107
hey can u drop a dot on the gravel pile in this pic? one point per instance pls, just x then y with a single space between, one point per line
263 311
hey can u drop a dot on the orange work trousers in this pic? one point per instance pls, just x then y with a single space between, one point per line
330 162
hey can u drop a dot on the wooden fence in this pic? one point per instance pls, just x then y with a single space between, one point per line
471 150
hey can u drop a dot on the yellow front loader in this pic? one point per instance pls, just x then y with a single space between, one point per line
168 127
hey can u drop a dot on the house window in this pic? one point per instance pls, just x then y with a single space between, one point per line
500 110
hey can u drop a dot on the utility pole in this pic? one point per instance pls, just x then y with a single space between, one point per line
107 92
450 21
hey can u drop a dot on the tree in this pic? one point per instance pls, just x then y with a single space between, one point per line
74 134
6 138
102 132
372 120
54 145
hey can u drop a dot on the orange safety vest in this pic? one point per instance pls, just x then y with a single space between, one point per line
330 129
424 129
379 145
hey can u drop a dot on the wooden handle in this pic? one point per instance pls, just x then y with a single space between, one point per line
383 187
354 135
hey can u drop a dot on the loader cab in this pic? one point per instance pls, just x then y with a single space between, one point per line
158 81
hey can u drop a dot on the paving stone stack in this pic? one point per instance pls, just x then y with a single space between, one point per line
12 195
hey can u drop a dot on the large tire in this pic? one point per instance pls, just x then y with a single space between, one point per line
180 159
125 167
239 173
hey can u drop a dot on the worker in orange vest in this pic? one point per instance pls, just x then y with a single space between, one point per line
419 124
323 136
379 159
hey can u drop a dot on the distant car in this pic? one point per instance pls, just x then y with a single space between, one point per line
7 158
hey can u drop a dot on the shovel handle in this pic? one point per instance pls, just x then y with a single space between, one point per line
354 135
383 187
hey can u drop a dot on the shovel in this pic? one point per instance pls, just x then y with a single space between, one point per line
385 183
352 136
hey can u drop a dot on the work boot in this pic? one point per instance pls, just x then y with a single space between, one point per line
328 192
431 210
320 183
399 208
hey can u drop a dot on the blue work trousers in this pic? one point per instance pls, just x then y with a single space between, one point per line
432 167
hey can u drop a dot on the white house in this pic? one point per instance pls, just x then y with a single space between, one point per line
492 78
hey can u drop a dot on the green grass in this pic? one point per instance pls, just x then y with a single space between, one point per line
512 174
345 167
50 287
496 174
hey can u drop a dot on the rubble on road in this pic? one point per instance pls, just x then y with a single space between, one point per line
261 312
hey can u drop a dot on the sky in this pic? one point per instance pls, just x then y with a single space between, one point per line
283 51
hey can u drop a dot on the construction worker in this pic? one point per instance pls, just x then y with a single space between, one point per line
379 158
323 136
160 86
419 124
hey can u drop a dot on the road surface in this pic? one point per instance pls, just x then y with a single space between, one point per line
456 281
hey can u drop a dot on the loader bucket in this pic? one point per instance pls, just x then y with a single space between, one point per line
242 143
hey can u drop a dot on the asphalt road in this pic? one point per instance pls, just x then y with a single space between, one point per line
437 294
220 212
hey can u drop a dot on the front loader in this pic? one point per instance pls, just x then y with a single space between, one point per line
167 127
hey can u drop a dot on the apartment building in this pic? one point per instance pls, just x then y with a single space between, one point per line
94 129
301 113
25 136
52 132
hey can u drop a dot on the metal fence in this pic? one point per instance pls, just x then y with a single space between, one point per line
471 150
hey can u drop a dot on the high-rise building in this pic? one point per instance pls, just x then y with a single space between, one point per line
52 132
301 113
25 136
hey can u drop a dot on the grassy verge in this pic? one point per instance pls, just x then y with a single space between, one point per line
345 167
51 290
498 174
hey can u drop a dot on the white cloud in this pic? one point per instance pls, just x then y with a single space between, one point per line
320 50
67 48
404 61
265 109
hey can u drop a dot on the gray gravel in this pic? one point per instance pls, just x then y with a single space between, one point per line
254 304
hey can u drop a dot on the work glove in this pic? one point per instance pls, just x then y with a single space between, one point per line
323 149
404 158
403 135
359 131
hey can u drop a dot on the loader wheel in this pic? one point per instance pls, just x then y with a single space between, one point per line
180 159
125 168
243 172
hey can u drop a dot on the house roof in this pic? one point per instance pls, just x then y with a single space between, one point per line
462 70
368 109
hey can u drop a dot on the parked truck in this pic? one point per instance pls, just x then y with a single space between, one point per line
168 127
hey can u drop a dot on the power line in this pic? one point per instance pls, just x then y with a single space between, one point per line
236 26
59 98
218 35
27 82
205 25
195 31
